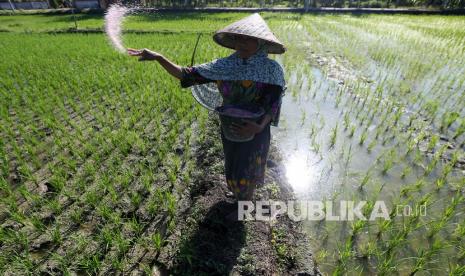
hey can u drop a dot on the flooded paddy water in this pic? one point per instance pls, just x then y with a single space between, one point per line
354 128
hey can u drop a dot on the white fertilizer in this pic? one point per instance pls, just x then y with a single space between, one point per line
113 25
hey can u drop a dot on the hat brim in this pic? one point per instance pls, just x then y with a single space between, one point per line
226 39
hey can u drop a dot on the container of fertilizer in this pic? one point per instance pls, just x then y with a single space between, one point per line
235 114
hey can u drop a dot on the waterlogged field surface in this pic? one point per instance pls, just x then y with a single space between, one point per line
374 110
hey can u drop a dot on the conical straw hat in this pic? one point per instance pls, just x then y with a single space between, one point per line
252 26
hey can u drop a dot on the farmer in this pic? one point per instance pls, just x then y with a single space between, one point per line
247 76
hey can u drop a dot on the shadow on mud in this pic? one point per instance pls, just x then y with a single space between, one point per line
214 248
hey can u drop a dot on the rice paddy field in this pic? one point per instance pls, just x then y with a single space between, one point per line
95 146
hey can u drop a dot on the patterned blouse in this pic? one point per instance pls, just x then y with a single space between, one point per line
268 96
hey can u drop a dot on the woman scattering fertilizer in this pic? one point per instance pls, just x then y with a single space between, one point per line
246 77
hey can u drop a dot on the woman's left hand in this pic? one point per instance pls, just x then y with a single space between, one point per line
246 129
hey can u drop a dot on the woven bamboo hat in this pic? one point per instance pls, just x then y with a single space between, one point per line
251 26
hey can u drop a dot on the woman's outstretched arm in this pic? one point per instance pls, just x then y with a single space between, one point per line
146 54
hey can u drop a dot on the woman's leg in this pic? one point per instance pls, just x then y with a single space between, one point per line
245 163
229 148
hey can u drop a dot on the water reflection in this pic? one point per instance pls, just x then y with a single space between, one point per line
304 172
299 173
301 114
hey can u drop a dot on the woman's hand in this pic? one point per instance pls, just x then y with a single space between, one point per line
144 54
246 129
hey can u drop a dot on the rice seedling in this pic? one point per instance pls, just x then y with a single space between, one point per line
405 172
349 157
425 256
122 243
436 226
460 129
352 131
448 119
92 198
157 241
315 145
62 262
389 161
136 198
333 137
363 137
386 266
371 145
38 224
432 143
76 216
405 191
135 226
457 270
303 118
436 158
346 121
366 178
357 226
117 264
56 235
104 211
321 256
91 263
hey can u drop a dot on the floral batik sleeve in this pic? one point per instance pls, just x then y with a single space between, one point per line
273 98
190 77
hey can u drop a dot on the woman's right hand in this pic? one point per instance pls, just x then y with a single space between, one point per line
144 54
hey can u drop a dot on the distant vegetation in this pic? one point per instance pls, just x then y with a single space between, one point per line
433 4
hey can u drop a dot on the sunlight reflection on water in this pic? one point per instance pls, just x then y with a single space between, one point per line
299 173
